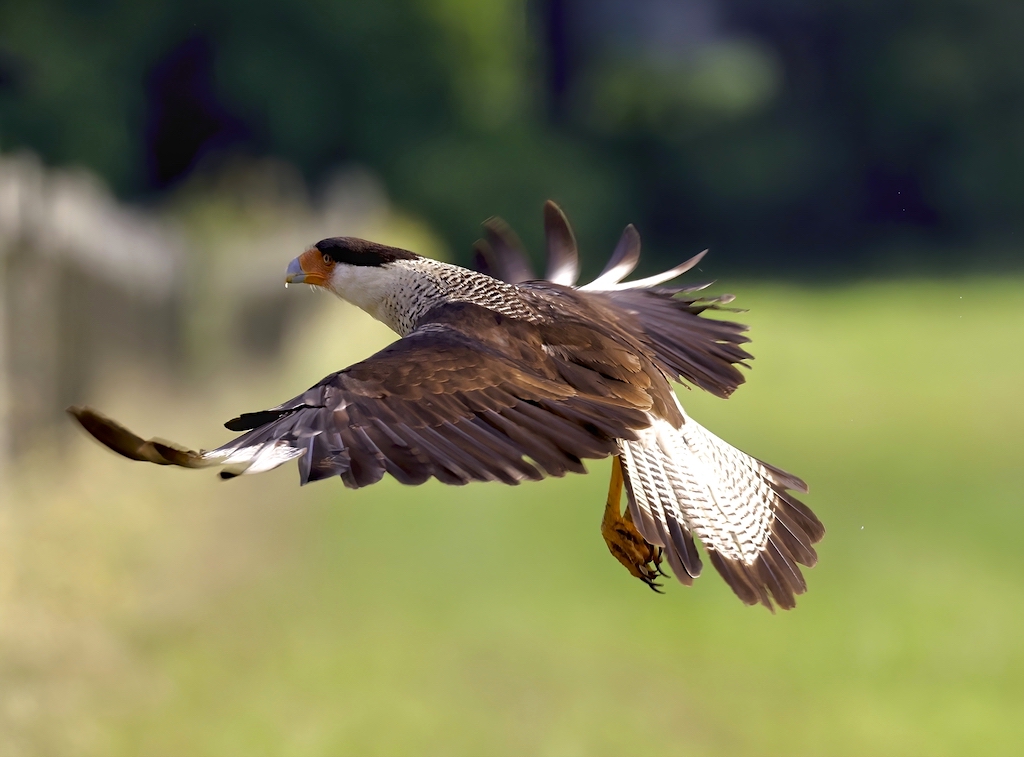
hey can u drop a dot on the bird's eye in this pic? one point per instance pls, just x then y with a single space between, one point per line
328 260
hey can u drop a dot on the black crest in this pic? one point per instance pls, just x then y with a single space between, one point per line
361 252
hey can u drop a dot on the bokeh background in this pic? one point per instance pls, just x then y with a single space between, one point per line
857 169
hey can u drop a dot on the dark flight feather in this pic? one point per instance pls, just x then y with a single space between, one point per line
448 402
563 259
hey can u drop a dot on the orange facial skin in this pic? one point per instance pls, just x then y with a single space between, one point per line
311 267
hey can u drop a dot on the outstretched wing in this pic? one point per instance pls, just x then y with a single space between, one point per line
686 345
689 347
444 401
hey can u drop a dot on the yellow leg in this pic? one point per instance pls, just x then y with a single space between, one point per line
641 559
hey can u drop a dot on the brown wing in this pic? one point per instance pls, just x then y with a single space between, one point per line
689 347
686 346
597 345
468 396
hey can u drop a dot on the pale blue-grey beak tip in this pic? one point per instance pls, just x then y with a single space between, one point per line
294 274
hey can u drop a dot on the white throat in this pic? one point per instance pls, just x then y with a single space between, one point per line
387 292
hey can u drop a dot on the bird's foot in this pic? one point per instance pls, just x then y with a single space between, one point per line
641 558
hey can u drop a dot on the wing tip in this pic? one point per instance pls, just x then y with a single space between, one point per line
119 439
562 253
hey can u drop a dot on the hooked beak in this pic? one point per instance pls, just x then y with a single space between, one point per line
308 268
295 274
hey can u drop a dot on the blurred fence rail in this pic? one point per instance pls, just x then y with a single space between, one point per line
79 272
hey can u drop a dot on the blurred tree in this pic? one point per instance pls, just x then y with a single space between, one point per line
807 130
921 98
818 128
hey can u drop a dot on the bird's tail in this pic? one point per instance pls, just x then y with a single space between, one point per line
686 482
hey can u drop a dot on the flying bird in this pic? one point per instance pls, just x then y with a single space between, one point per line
500 375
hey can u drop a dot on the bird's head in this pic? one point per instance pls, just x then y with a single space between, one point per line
336 262
361 272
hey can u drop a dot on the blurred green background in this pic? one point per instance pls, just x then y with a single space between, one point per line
857 170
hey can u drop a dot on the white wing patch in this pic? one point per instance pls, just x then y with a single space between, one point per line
257 458
611 280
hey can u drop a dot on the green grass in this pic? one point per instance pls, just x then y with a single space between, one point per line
180 616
